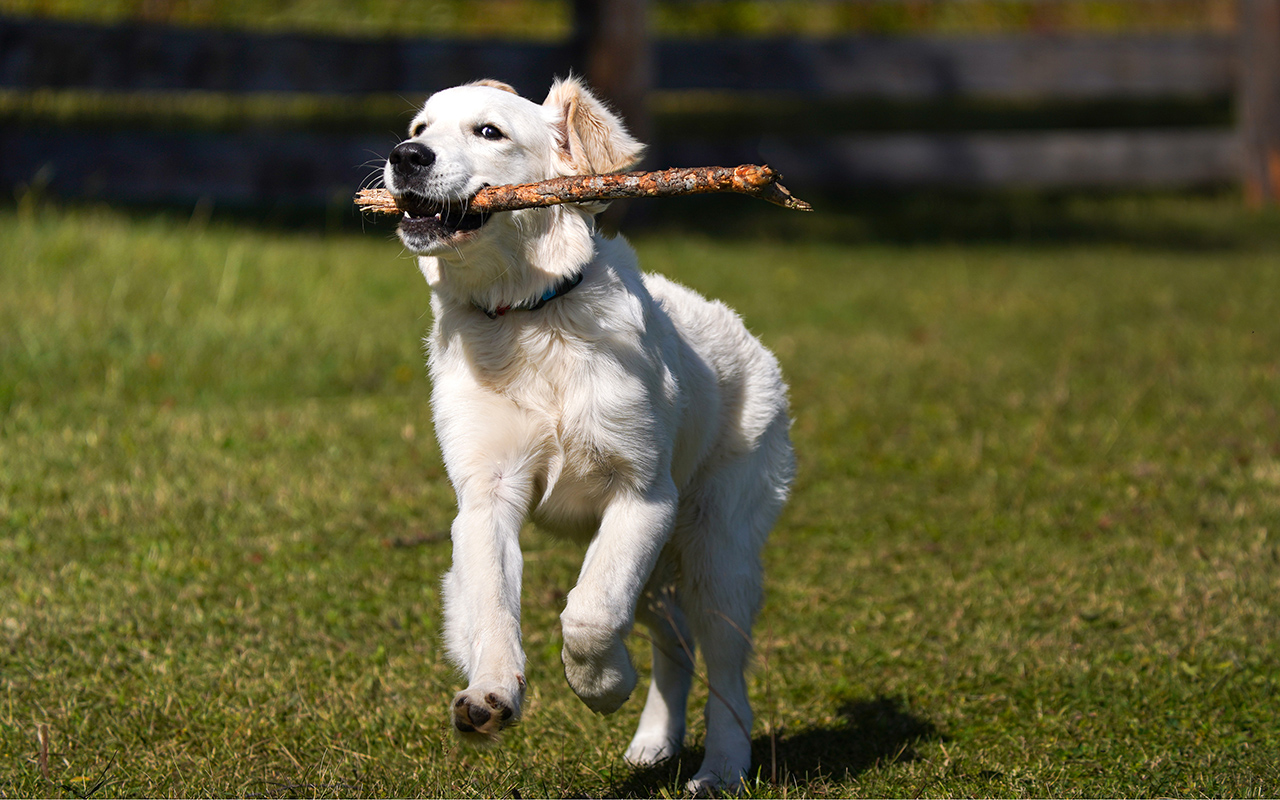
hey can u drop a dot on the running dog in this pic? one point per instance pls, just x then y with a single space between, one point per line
609 406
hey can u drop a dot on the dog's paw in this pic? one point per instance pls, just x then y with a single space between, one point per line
603 683
714 786
604 693
717 777
645 753
480 713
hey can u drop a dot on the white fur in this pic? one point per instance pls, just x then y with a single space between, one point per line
630 413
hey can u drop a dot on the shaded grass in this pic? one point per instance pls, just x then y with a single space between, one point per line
1032 549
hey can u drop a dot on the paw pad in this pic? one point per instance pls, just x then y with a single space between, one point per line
485 716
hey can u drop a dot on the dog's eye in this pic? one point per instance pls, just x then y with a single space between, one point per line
489 132
418 129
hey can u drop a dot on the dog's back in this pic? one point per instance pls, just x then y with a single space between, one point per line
750 395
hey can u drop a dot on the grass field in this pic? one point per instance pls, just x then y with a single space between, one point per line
1033 550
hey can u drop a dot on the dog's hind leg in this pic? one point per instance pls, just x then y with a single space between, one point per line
721 589
660 734
721 615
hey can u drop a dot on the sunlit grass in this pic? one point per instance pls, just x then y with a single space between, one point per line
1032 548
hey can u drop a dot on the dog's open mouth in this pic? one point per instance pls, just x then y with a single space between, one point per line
428 222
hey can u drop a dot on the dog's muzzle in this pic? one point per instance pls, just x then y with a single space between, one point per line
426 222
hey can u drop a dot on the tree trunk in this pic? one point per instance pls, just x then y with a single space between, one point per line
611 46
1260 99
611 43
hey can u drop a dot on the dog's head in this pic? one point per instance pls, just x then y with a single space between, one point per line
484 134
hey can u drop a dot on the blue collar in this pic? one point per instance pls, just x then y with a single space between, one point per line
563 287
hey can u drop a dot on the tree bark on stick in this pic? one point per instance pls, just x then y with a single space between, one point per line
749 179
1259 22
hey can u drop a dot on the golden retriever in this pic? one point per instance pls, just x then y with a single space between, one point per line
610 406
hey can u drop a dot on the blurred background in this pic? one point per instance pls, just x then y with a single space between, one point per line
291 104
1030 336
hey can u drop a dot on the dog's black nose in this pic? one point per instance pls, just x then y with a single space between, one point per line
410 158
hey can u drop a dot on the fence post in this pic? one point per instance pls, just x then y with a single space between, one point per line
1259 22
611 43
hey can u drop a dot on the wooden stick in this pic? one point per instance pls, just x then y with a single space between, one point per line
749 179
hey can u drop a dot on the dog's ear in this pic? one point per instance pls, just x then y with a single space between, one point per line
592 139
492 84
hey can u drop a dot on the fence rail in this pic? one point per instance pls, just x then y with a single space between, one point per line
144 57
300 166
1027 67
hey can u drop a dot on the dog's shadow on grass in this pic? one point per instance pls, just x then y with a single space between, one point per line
865 733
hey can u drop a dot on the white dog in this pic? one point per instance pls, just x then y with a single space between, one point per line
609 406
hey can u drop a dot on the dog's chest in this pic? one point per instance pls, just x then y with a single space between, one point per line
579 407
534 368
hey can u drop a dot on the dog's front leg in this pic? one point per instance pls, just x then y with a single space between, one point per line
482 600
600 610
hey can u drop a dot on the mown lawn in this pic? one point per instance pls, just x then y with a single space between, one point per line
1034 548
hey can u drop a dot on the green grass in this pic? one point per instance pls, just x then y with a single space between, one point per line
1034 547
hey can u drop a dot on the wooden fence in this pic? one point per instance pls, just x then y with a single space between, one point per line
292 164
